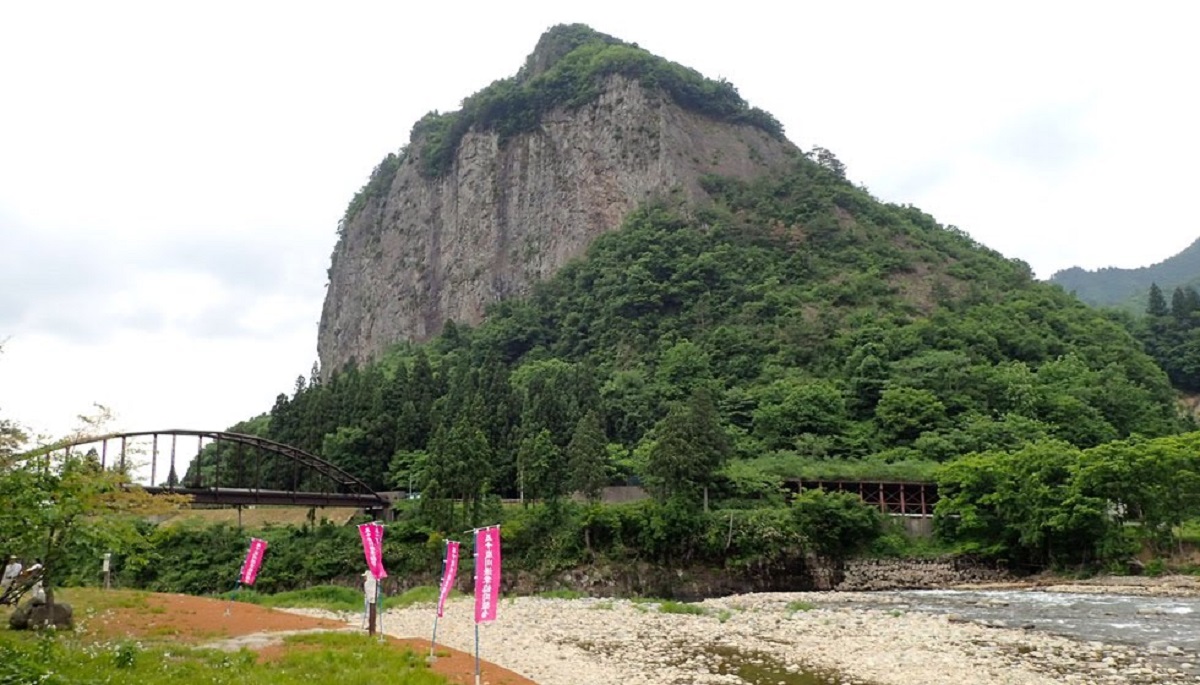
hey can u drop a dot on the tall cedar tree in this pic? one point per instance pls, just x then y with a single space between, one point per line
690 448
587 457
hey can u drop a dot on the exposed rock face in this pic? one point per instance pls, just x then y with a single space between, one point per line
511 213
907 574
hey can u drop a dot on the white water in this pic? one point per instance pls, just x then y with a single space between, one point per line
1158 623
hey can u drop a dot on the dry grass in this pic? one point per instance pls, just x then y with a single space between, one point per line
261 516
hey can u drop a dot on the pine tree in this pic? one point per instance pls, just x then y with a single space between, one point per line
690 447
539 472
587 457
1180 305
1157 305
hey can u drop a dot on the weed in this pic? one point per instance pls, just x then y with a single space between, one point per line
670 607
125 655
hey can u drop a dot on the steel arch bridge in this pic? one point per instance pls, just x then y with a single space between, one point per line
315 482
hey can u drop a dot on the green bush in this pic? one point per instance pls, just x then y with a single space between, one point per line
836 524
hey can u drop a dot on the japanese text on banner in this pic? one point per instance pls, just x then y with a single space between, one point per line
448 574
253 562
372 541
487 573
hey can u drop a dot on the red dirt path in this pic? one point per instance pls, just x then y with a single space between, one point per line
198 620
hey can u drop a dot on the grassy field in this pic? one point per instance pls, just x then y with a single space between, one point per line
347 659
181 650
260 517
335 598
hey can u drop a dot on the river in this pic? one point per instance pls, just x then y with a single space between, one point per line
1161 624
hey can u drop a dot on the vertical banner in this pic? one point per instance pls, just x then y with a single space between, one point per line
254 558
372 541
487 573
449 571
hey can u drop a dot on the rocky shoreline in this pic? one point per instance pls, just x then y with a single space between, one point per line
771 638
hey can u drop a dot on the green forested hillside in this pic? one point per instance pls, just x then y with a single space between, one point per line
795 325
1128 289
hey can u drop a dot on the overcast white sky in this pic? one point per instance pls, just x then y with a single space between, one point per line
172 173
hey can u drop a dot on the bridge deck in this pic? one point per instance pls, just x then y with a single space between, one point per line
256 496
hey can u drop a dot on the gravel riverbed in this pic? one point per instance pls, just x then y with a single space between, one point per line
772 639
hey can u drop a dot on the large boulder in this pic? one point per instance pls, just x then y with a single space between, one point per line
39 616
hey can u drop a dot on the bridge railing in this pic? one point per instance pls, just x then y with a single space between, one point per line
227 468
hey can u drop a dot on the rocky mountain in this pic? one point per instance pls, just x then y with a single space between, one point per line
1129 288
484 202
671 290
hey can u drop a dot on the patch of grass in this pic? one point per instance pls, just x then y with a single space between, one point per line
800 605
329 597
335 598
671 607
606 605
103 600
417 595
1189 531
344 658
724 615
1155 568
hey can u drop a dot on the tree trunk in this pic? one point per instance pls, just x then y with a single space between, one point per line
47 561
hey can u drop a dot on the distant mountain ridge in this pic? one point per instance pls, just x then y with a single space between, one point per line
1128 288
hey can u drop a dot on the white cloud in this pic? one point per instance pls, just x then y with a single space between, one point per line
171 175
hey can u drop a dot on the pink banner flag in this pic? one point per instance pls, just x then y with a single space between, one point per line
254 558
487 573
449 571
372 540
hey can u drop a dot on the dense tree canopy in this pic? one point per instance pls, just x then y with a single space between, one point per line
827 329
1050 503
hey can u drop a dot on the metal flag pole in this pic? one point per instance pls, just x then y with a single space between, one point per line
475 552
476 654
379 604
232 596
241 574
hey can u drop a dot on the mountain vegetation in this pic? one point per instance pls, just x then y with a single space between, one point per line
788 326
795 325
1170 333
1127 289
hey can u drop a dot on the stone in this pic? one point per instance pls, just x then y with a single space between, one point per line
39 616
512 212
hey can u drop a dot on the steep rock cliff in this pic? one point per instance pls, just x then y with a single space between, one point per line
511 210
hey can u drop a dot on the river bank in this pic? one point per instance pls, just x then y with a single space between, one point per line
838 638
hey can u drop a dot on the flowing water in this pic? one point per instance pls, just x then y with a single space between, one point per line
1162 624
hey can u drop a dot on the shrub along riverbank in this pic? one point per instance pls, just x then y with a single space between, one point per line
735 549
